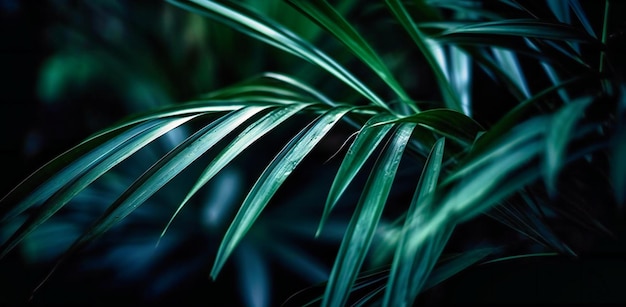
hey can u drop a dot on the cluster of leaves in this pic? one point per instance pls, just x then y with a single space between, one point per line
472 162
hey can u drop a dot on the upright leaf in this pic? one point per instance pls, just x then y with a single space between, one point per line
405 266
358 236
558 137
271 179
367 140
447 92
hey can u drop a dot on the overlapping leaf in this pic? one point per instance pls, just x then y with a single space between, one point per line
327 17
361 149
58 172
271 179
559 136
359 234
260 28
410 267
161 173
251 134
400 12
90 173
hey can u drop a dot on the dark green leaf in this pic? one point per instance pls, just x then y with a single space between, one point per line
361 149
328 18
559 135
530 28
400 12
262 29
359 234
251 134
271 179
89 174
407 267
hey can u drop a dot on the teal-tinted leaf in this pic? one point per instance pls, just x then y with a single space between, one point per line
465 7
401 14
509 63
254 276
359 234
582 17
271 179
558 137
66 167
406 267
520 257
263 29
486 180
361 149
529 28
184 109
560 9
251 134
89 174
300 86
328 18
500 147
460 76
161 173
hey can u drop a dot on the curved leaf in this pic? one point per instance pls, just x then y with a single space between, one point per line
406 267
258 27
160 174
360 232
89 174
327 17
530 28
271 179
251 134
558 137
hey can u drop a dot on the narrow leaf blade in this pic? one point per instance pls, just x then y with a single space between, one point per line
360 232
366 142
251 134
327 17
271 179
399 288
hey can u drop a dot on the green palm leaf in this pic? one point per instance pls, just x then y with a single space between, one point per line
90 173
559 135
67 166
368 138
271 179
327 17
447 91
359 234
261 28
251 134
161 173
530 28
407 266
